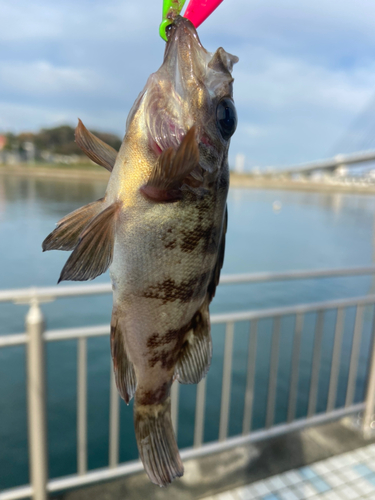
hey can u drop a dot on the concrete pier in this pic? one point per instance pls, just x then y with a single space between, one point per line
242 466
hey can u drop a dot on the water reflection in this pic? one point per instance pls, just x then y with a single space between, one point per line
312 230
337 201
51 194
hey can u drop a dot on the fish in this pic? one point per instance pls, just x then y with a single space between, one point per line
160 229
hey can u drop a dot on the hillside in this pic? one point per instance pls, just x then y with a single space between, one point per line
57 140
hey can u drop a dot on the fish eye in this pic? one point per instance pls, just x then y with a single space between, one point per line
226 117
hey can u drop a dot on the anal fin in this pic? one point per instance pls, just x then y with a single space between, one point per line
196 353
123 368
68 230
173 170
94 252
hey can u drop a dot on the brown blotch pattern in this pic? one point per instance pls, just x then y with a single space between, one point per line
204 231
168 357
157 396
170 245
208 238
158 340
169 240
170 291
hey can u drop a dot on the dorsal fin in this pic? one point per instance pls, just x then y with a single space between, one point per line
96 149
94 252
172 170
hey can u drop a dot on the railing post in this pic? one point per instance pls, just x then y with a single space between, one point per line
36 402
368 417
199 413
227 373
250 378
114 422
82 406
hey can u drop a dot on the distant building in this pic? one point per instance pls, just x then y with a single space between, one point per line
341 171
239 165
3 141
317 176
29 147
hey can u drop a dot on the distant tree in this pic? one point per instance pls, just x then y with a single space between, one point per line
111 139
11 142
57 140
60 140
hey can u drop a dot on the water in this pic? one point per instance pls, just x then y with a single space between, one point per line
311 231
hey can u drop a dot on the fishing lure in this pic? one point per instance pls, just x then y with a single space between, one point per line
197 11
171 9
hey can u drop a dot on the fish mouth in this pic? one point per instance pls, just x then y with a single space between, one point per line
183 41
170 89
185 54
180 94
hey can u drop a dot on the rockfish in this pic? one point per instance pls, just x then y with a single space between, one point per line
160 228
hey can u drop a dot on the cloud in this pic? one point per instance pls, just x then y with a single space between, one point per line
31 117
36 117
275 81
301 107
29 21
42 77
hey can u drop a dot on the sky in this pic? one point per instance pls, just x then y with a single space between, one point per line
306 69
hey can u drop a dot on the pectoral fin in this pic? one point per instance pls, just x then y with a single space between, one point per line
172 171
66 234
94 252
97 150
196 353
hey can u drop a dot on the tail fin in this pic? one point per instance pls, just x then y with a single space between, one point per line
157 443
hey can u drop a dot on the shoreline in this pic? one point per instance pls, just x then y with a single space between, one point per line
85 173
250 182
93 172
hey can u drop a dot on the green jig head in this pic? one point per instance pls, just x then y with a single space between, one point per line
171 9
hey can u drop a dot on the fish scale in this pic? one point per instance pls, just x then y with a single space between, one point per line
160 228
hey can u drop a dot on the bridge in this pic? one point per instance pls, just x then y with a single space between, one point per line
331 164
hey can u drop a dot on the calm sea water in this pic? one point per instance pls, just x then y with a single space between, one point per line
311 231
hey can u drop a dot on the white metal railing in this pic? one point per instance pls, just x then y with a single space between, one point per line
36 336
